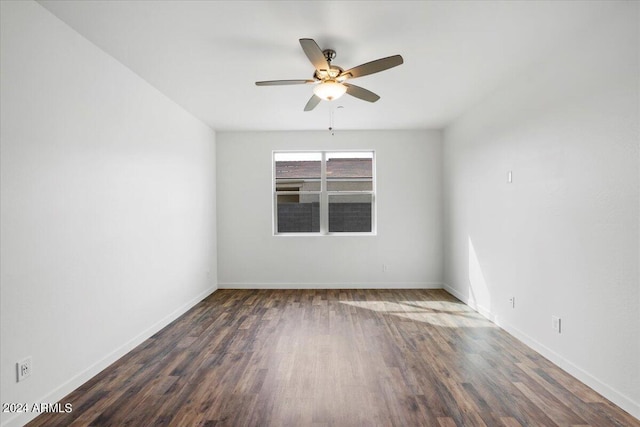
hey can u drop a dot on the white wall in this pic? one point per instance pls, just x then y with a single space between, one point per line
108 207
408 165
563 237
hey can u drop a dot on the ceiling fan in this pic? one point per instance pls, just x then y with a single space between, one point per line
329 80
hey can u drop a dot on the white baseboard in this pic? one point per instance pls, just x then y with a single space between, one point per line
599 386
75 382
341 285
465 299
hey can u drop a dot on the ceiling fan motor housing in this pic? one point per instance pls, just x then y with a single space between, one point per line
331 74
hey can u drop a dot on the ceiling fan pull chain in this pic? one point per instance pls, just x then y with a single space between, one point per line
331 122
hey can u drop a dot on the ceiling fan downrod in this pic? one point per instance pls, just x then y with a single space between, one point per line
329 55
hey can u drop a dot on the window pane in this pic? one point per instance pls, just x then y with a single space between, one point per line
350 212
350 171
297 171
298 213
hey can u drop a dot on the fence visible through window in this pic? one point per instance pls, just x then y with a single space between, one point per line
324 192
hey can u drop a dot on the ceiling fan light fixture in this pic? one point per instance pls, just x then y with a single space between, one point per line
329 90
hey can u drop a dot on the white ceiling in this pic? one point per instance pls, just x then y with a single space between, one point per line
206 55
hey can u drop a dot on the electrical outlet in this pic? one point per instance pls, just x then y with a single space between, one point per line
512 302
556 324
24 368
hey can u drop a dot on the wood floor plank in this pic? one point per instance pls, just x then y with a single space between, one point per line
335 357
554 409
510 422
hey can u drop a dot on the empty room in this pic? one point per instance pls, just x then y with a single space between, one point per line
320 213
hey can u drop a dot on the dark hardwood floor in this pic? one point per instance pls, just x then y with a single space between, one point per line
334 358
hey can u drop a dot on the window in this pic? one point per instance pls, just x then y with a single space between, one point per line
324 192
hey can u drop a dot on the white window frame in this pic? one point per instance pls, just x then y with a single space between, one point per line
324 194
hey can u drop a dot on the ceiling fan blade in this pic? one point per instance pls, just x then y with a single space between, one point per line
374 66
283 82
313 101
361 93
314 53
